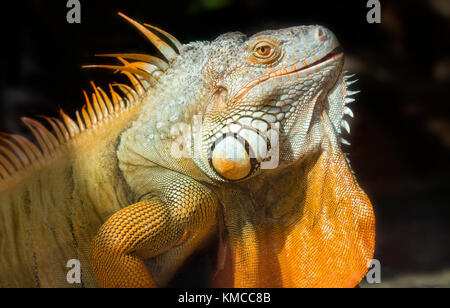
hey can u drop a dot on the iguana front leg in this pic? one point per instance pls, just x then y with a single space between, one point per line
173 223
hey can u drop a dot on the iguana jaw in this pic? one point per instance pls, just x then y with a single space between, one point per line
336 53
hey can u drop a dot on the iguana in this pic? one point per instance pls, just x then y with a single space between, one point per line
236 141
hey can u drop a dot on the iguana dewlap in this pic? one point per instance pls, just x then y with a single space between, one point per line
237 140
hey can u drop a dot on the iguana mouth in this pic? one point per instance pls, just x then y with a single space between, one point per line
335 53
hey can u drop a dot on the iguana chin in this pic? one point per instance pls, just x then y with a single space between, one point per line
262 171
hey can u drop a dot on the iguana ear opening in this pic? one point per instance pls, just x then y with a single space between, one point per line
327 241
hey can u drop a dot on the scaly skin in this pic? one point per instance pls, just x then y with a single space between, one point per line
133 192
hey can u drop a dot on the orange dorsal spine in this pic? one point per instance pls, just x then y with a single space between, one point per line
18 155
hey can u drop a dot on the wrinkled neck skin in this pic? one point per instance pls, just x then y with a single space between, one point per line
309 225
287 227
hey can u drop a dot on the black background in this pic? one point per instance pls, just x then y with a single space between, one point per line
400 134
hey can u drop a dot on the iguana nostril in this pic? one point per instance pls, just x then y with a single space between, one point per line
321 35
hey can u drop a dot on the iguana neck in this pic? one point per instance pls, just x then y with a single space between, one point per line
168 117
283 235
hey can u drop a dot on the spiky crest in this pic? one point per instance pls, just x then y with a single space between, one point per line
17 153
347 111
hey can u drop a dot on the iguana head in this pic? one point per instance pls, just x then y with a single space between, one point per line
266 93
250 103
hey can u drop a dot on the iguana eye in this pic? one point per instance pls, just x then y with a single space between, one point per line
265 52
